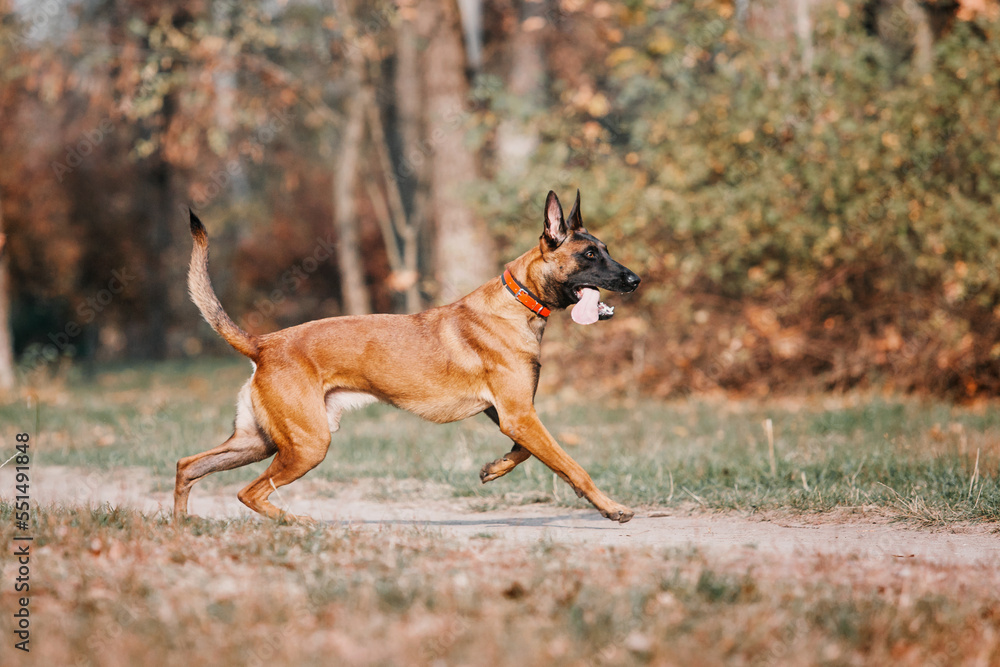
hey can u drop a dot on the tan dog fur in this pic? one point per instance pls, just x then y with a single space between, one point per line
478 354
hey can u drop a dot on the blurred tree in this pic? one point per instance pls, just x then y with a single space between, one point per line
464 254
398 226
354 292
517 133
804 32
410 170
836 229
400 232
471 13
789 226
905 29
7 376
161 257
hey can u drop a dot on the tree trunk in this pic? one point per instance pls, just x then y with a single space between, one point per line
398 232
411 173
163 266
517 138
352 277
355 297
149 339
923 37
471 14
464 255
804 31
6 338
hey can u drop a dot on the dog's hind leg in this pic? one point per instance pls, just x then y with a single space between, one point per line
246 445
289 464
299 428
508 462
242 448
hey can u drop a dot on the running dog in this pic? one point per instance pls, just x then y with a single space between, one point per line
479 354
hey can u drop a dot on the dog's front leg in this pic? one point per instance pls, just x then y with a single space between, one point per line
521 424
503 465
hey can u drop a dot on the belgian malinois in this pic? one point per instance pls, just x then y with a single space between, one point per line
479 354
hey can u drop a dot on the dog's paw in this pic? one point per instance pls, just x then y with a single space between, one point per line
495 469
620 513
297 520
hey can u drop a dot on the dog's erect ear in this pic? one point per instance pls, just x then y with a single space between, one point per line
574 220
556 230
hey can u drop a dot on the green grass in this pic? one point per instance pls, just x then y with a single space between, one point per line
115 587
914 459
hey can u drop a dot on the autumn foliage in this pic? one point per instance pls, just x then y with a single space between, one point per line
808 208
829 228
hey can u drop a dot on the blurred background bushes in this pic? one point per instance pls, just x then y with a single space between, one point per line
808 189
829 228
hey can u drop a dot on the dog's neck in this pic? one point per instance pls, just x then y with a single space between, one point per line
496 298
528 270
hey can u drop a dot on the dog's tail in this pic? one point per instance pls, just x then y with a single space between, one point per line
200 289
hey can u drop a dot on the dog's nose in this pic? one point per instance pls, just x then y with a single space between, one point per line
632 281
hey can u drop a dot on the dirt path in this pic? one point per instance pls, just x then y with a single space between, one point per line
409 504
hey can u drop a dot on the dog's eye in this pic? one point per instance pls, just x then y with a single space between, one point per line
590 254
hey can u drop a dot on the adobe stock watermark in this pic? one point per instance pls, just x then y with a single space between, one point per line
83 148
436 650
220 179
290 281
36 18
265 648
107 634
372 24
454 117
90 139
61 342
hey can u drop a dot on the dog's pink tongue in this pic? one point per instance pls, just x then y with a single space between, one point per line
585 311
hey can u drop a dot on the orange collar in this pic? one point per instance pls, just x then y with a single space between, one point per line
523 295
